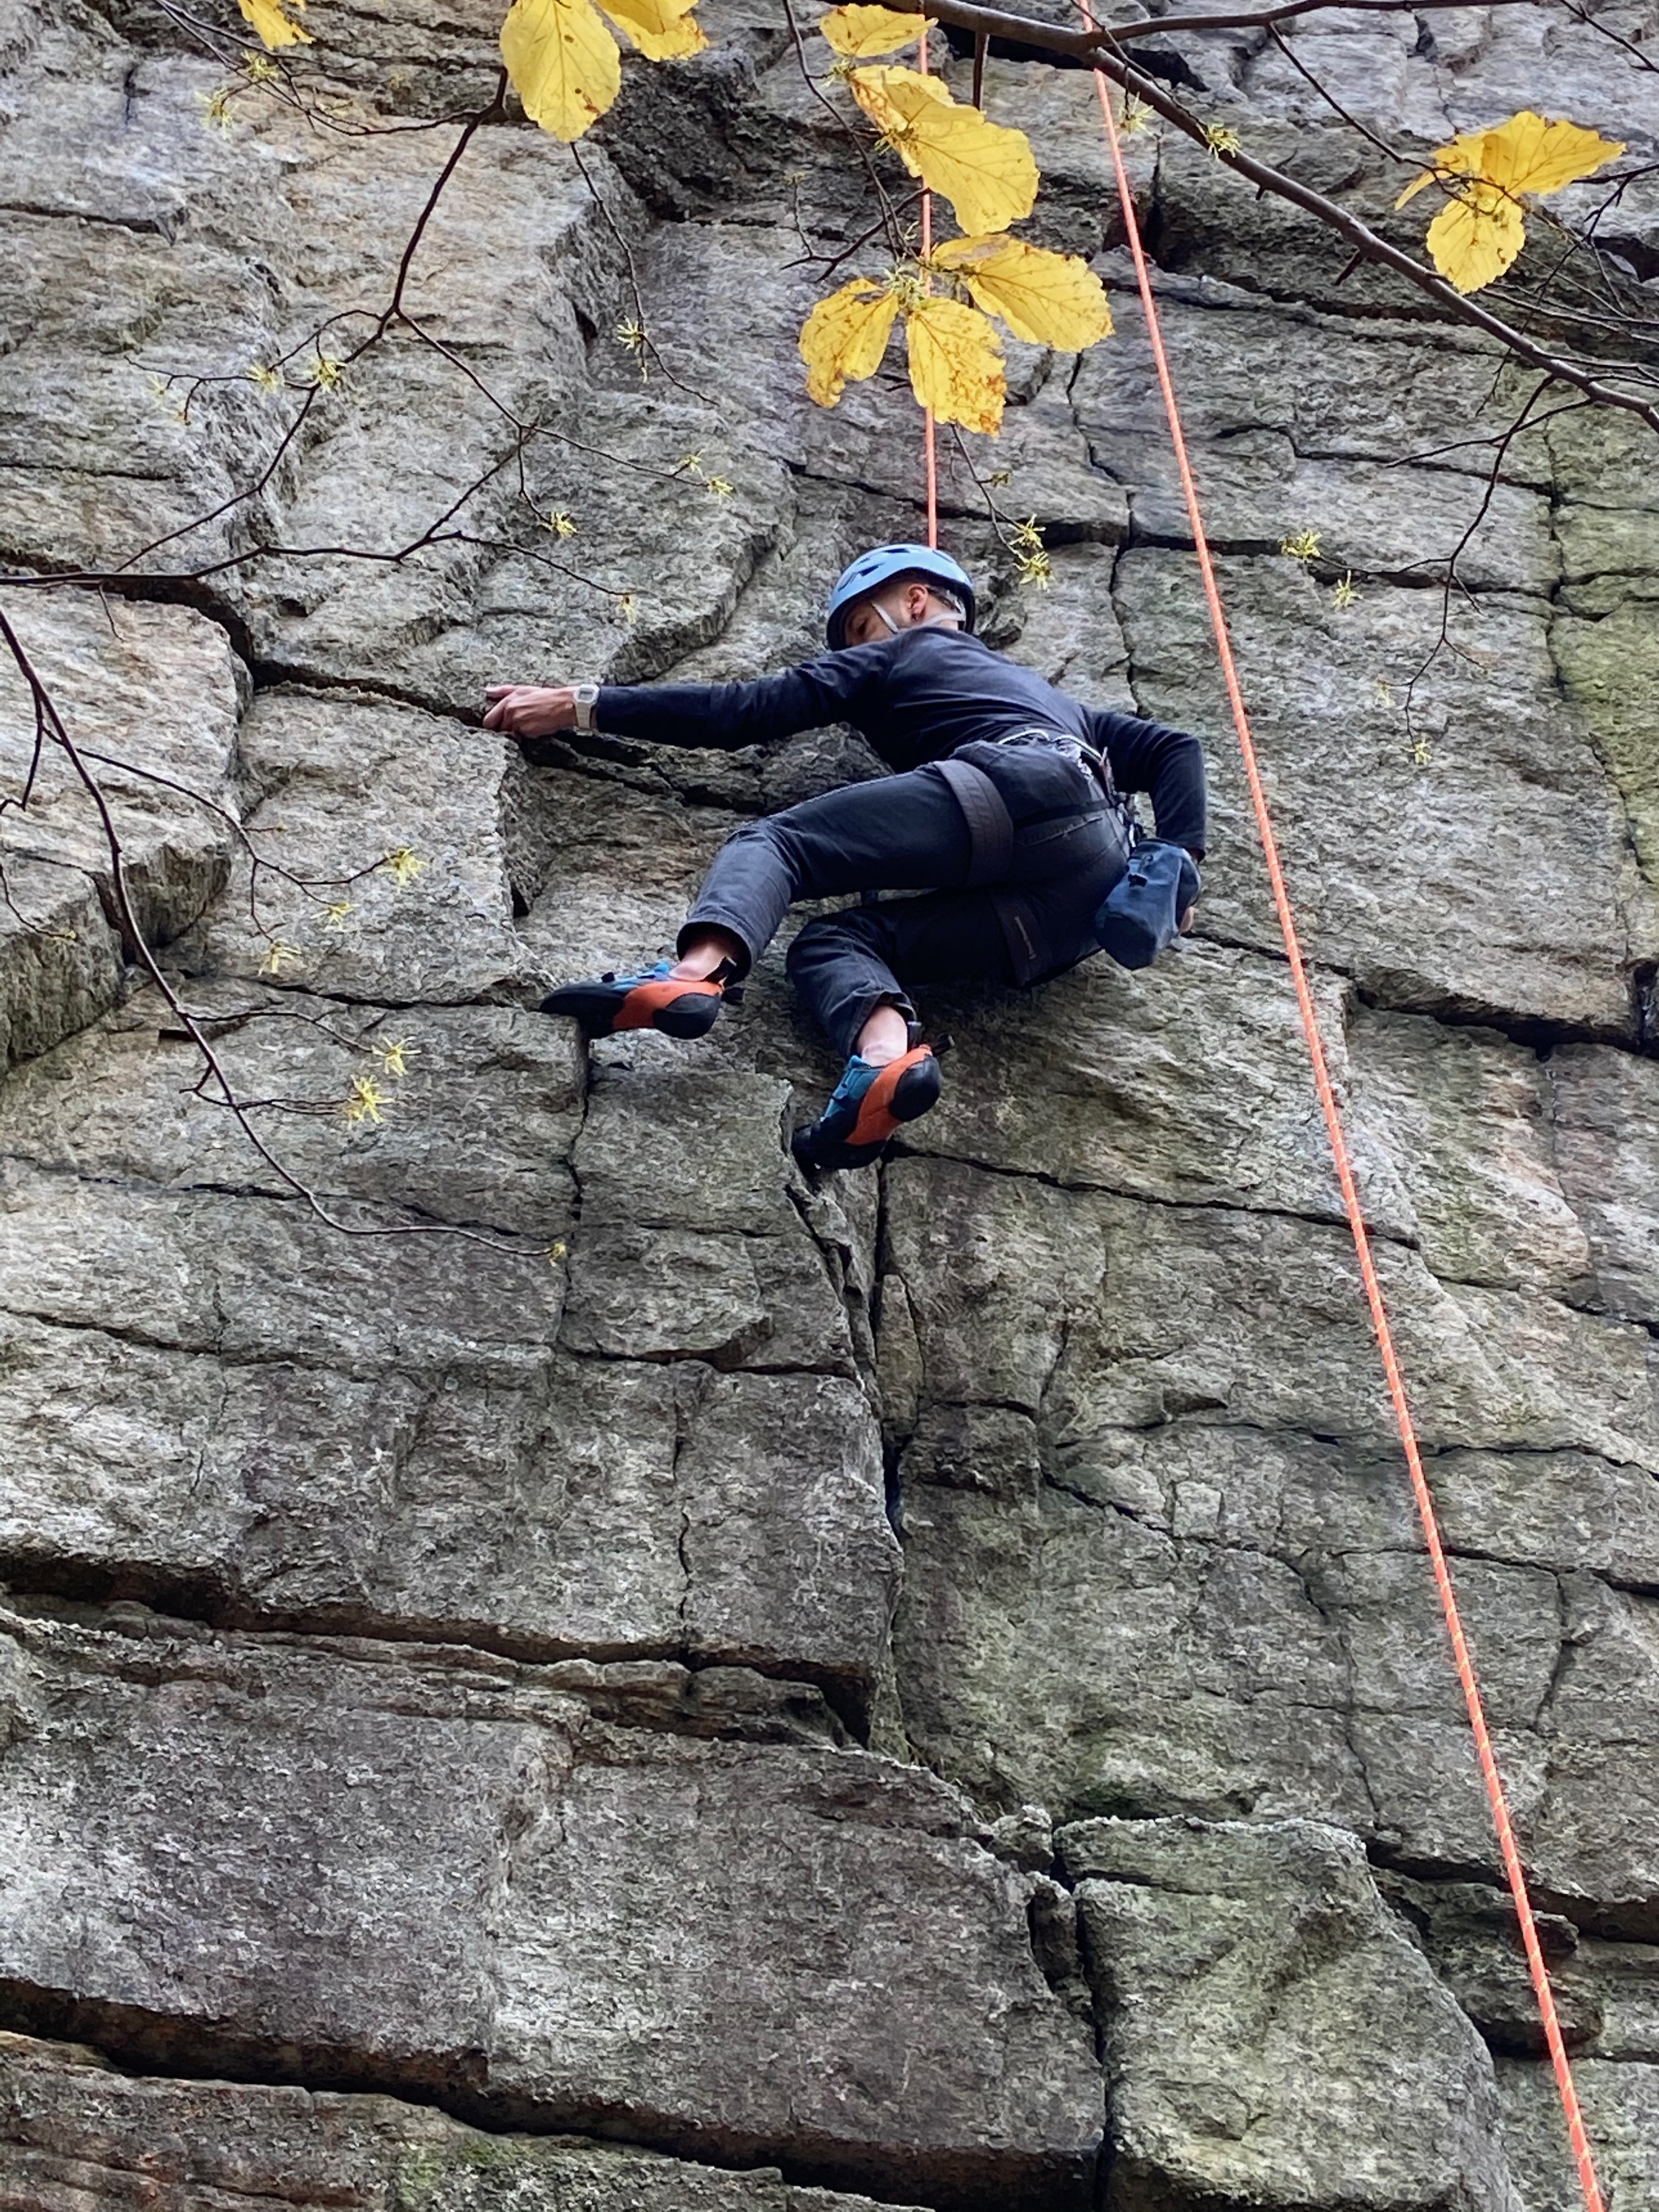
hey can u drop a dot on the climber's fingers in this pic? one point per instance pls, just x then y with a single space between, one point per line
1185 923
529 710
504 699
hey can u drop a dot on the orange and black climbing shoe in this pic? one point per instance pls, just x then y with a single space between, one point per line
650 999
871 1105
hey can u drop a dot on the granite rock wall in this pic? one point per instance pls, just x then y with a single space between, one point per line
619 1679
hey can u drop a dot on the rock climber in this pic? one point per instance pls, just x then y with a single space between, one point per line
1007 812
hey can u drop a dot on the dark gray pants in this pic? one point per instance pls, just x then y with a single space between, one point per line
1014 847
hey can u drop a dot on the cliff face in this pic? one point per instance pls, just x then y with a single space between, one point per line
474 1739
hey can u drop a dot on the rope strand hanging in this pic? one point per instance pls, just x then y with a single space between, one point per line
1496 1797
927 413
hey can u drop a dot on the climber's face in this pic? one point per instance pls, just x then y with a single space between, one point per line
896 606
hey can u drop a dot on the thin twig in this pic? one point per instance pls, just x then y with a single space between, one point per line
882 197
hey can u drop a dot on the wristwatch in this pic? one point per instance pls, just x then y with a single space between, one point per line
586 697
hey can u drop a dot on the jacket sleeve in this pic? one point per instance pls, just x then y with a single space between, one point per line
1166 763
724 716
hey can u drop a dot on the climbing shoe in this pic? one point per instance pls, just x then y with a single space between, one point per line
651 999
869 1104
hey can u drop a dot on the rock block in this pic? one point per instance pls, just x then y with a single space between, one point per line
690 1243
607 870
1144 1576
342 785
1620 2104
148 696
77 2136
1393 836
257 1279
1063 1652
475 1131
450 1878
617 1510
1269 2023
1189 1081
1605 1112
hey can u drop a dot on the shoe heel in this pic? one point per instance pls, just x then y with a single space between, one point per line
688 1018
916 1091
676 1007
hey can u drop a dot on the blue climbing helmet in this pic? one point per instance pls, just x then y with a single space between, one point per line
885 564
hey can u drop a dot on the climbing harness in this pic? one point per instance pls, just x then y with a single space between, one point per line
1466 1674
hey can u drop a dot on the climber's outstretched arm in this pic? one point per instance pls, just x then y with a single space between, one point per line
723 716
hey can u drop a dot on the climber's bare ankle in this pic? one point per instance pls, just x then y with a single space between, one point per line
884 1037
704 954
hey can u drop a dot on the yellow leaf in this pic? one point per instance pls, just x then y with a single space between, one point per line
1046 299
871 90
270 19
956 363
1475 238
663 30
862 30
845 337
985 171
563 64
1528 154
1460 159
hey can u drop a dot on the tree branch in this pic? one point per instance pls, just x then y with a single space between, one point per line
1086 46
1151 25
1096 49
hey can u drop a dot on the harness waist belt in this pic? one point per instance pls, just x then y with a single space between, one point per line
1062 740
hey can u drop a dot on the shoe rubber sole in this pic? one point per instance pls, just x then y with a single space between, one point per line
905 1090
677 1008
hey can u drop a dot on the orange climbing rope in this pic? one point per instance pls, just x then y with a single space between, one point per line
928 412
1466 1674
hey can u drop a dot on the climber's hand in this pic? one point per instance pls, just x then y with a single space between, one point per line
1184 927
529 710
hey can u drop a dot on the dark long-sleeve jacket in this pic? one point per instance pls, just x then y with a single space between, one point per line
916 696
